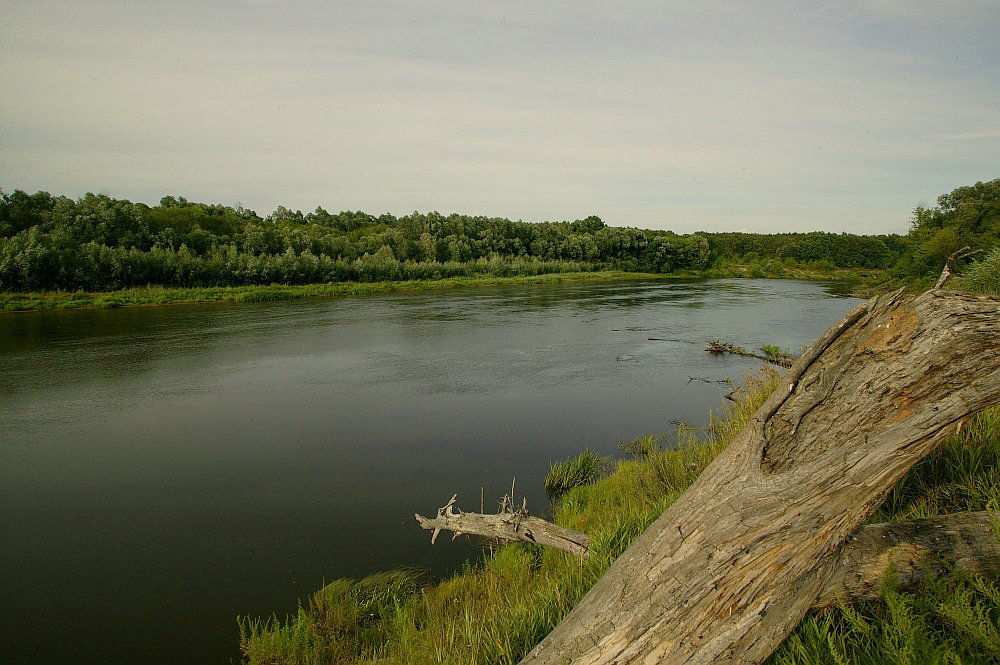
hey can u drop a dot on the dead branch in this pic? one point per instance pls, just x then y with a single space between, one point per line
950 262
909 549
509 524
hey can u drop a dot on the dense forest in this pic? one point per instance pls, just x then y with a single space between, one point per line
99 243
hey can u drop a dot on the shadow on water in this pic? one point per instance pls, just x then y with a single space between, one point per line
167 468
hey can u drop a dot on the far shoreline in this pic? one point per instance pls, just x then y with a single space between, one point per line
865 282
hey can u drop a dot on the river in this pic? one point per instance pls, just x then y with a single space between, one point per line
164 469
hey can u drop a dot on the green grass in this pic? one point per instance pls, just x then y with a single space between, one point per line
497 611
982 276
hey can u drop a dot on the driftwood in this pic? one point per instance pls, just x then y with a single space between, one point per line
507 525
733 565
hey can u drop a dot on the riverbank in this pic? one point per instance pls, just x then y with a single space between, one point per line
497 611
866 282
161 295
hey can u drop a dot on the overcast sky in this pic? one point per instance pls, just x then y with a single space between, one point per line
763 116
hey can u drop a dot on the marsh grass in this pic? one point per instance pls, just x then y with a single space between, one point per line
497 611
580 470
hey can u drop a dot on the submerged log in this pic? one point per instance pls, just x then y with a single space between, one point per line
507 525
733 565
781 359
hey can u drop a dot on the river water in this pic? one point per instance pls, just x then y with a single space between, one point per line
164 469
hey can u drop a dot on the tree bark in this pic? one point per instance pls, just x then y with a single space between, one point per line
733 565
914 549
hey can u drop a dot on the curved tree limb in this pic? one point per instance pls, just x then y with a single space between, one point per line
949 264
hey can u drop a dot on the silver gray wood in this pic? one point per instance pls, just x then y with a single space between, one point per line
507 525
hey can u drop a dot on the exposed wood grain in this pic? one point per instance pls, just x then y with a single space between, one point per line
509 525
733 565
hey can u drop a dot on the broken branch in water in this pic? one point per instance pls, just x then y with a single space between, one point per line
777 357
508 525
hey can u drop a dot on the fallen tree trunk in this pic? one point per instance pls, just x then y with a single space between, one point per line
733 565
508 525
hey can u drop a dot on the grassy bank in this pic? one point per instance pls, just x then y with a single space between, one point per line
160 295
495 612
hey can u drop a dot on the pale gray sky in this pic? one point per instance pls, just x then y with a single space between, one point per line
764 116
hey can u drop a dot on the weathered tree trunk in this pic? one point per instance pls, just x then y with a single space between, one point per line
916 548
509 525
733 565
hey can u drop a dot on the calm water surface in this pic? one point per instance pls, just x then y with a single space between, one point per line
164 469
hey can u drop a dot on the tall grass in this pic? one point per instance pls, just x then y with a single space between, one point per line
497 611
567 474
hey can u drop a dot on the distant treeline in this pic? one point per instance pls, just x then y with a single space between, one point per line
100 243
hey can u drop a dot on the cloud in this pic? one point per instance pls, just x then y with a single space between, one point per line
984 134
778 116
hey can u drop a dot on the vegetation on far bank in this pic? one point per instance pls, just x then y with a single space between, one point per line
101 245
861 283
